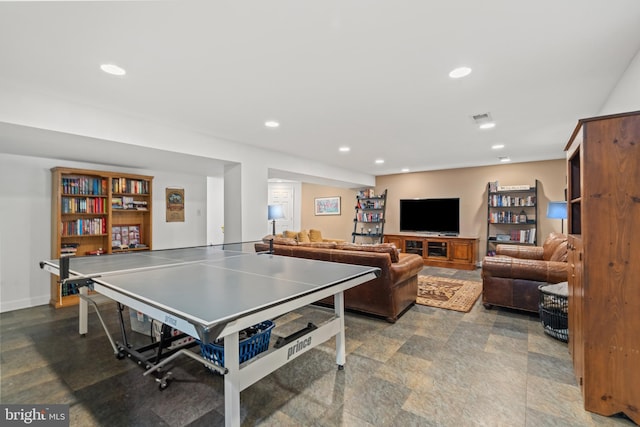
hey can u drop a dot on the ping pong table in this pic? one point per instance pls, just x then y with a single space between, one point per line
214 292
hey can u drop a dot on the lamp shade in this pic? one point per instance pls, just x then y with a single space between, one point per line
275 212
557 210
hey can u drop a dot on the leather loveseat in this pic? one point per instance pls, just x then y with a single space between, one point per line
387 296
511 278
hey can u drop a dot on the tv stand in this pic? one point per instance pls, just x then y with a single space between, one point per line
439 250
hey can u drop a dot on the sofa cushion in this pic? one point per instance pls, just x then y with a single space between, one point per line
290 234
279 240
284 241
303 236
315 235
385 248
326 245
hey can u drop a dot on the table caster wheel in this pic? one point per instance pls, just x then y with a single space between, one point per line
340 367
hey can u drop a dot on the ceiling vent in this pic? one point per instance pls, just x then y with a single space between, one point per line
481 118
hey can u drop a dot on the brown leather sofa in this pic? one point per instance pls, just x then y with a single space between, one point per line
511 278
388 296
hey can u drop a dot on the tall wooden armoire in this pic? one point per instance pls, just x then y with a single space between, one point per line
603 159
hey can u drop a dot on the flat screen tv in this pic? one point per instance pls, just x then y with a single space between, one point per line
441 216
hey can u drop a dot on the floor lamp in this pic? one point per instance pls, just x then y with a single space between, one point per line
557 210
275 212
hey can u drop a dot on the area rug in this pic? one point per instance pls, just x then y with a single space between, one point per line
445 292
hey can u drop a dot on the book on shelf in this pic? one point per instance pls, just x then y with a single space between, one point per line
116 237
125 236
524 187
497 200
98 251
140 205
84 226
129 186
71 205
68 251
84 185
363 194
134 235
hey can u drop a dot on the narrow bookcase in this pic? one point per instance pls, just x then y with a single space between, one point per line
97 212
512 216
369 219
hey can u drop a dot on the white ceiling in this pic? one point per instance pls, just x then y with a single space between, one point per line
369 74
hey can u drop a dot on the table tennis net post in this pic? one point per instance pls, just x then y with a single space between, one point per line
64 269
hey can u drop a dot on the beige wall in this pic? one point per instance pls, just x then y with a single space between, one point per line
332 226
469 184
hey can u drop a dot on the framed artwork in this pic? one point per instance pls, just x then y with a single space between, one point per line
175 204
327 205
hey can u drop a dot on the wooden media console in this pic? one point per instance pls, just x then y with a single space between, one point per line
439 251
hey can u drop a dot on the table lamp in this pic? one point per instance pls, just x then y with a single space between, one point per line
557 210
275 212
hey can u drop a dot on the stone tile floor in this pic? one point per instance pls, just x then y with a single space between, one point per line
433 367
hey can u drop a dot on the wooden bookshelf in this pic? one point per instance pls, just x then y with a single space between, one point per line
89 212
512 215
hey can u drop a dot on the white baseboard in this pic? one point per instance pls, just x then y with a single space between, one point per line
6 306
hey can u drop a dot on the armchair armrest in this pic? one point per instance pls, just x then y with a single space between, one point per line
520 251
527 269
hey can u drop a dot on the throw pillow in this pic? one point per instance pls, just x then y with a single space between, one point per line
290 234
315 235
303 236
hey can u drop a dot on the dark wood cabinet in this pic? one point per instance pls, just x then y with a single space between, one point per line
439 251
603 171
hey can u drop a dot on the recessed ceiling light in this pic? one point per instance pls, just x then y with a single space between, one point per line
504 159
487 125
271 124
344 149
113 69
497 146
379 161
405 169
460 72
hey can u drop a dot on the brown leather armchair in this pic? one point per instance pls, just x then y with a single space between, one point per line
511 278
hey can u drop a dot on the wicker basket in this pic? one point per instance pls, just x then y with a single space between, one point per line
553 309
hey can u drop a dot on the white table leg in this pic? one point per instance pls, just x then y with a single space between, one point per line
338 301
83 312
232 381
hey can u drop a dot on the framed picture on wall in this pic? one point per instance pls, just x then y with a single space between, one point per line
327 205
175 204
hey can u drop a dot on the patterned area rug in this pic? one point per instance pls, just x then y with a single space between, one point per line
445 292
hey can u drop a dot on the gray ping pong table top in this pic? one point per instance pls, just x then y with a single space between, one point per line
209 285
